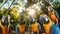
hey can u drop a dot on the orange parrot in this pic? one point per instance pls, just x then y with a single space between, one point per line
20 28
46 22
53 16
34 27
47 27
5 27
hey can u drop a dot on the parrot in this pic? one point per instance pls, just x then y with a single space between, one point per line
46 23
34 26
5 22
20 28
5 25
51 11
53 14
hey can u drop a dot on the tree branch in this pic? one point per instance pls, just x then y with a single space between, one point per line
3 3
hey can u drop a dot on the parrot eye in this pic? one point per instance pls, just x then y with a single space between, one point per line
46 20
49 8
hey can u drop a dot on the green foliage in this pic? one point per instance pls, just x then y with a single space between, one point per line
1 14
56 5
13 20
1 1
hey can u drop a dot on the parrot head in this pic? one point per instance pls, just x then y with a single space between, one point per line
43 19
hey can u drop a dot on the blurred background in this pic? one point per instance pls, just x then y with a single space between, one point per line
17 12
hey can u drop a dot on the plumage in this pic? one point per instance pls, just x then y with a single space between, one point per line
53 16
46 25
55 29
